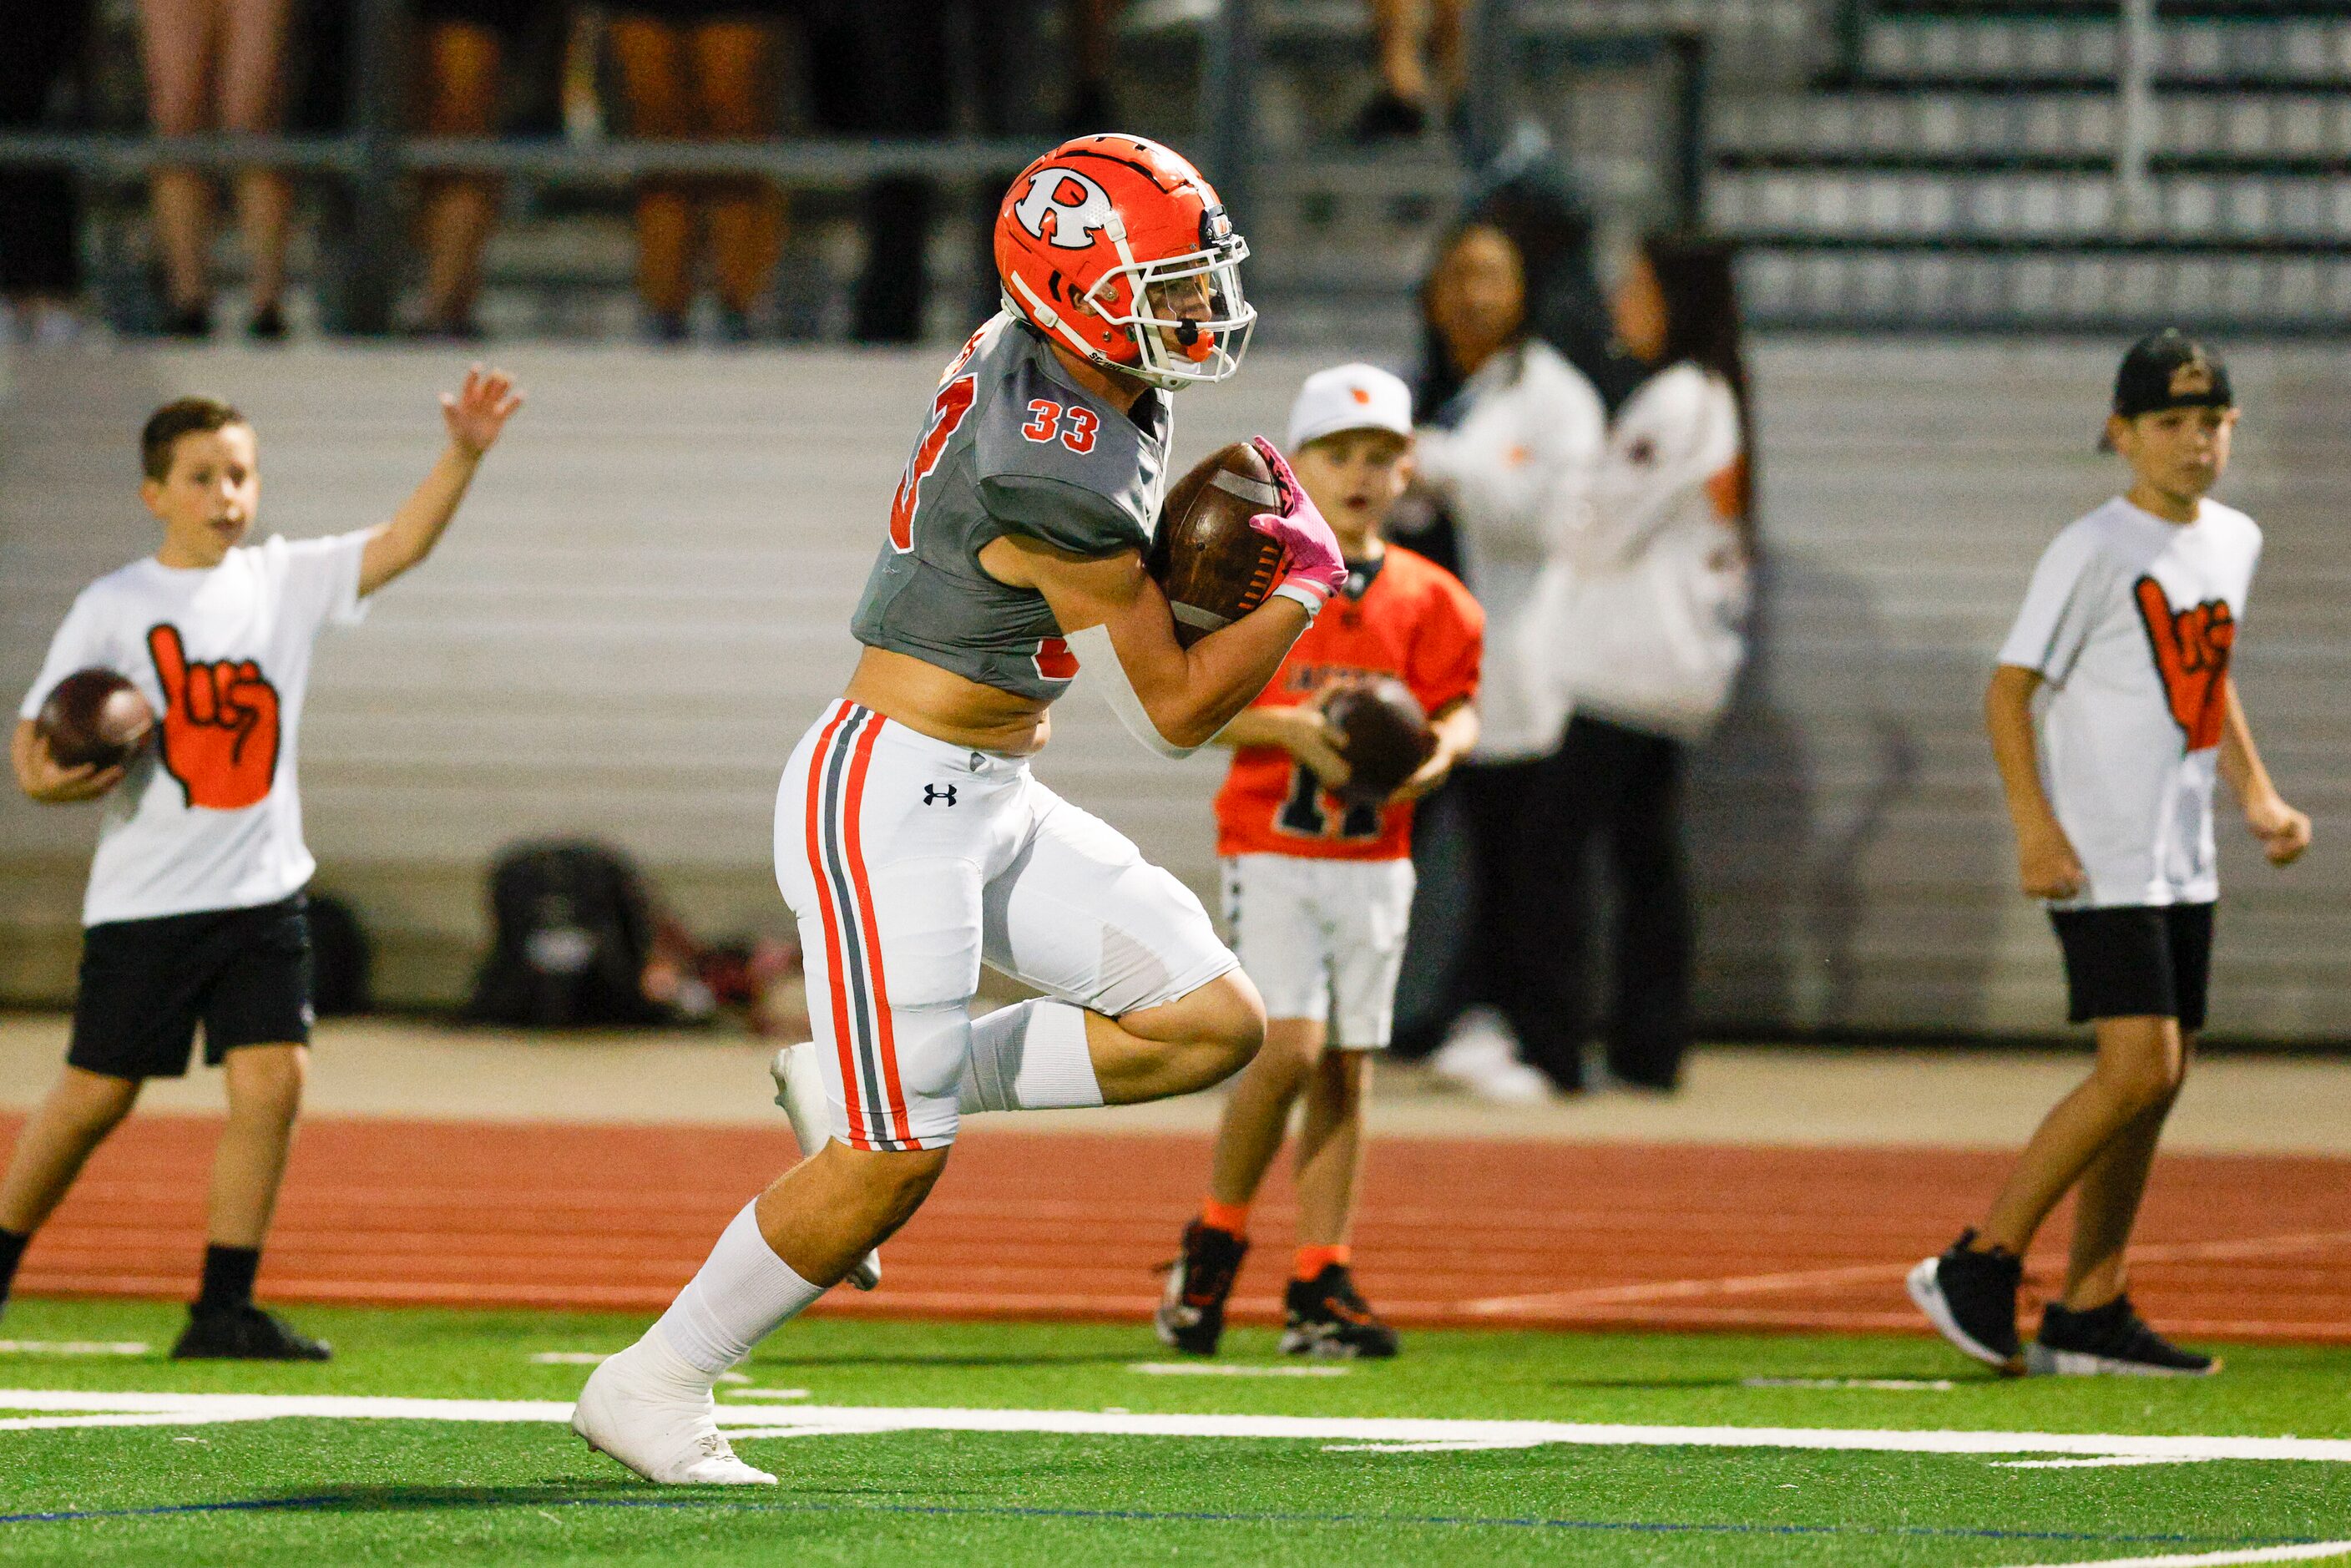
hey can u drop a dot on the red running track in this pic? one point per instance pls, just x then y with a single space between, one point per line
1052 1226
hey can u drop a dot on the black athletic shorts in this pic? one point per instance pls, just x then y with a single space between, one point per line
243 974
2137 960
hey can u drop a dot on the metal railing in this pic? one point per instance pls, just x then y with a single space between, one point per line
368 162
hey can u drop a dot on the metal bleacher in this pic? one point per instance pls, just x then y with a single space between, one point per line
1964 167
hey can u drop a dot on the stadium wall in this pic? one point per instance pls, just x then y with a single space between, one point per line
645 603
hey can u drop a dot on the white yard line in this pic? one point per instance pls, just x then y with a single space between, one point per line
849 1419
73 1347
2215 1559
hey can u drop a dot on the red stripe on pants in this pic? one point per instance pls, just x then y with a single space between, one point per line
832 927
854 843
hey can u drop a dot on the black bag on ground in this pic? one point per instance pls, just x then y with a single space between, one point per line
575 926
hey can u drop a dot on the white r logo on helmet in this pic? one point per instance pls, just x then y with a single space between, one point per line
1077 207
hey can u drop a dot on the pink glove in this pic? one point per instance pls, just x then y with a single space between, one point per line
1313 567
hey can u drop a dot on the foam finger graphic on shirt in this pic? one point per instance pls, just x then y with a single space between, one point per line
220 725
2192 653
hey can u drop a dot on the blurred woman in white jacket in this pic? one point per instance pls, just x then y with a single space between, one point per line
1511 457
1647 636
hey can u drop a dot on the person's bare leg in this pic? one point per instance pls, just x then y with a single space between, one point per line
2137 1069
826 1212
653 85
1197 1040
264 1095
1256 1114
82 1109
461 99
731 68
1330 1146
1448 59
2106 1205
1400 33
252 102
179 39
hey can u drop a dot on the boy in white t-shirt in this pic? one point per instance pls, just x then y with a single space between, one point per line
194 909
2129 624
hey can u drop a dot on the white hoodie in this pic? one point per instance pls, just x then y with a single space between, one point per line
1649 629
1516 471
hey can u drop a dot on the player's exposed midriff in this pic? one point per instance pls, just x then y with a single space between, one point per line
947 706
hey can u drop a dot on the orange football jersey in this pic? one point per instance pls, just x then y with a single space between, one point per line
1404 616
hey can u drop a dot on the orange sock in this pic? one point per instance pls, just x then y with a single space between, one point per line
1232 1219
1312 1260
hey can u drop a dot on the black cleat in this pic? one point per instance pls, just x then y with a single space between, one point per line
245 1333
1191 1315
1329 1317
1970 1298
2107 1342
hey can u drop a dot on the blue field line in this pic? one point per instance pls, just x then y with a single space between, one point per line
423 1499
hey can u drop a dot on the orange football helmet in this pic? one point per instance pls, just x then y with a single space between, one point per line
1116 246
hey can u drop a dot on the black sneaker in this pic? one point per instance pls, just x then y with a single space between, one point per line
2109 1340
1970 1298
1191 1315
1328 1316
245 1333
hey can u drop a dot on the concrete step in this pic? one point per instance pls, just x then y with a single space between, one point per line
2028 207
1897 124
2303 49
1794 285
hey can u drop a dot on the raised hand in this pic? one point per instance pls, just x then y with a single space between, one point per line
477 413
220 725
1310 551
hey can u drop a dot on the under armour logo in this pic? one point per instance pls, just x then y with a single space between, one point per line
934 793
1065 208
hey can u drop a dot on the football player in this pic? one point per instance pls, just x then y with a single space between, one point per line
1318 886
911 841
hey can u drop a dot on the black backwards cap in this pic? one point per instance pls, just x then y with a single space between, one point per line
2168 370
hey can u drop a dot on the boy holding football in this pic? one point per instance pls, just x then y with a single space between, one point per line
194 908
2128 627
1319 884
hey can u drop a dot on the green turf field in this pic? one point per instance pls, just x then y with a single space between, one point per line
1045 1443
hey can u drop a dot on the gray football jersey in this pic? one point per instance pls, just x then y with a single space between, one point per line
1010 447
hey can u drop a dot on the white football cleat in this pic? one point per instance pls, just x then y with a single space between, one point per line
800 1089
651 1411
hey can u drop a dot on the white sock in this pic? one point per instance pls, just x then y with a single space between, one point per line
742 1293
1029 1057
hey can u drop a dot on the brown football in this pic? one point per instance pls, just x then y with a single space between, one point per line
94 717
1214 567
1386 736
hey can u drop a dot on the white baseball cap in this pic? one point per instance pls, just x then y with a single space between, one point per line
1349 397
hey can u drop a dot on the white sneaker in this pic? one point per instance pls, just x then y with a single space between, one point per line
800 1089
1481 1058
648 1408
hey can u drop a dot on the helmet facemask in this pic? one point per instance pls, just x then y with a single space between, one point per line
1176 346
1143 300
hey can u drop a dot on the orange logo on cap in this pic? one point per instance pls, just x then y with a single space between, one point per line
1362 394
2193 379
